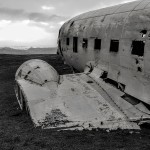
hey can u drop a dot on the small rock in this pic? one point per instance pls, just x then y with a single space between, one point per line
131 132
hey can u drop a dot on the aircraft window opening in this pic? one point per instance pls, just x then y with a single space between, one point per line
143 32
67 41
75 44
114 45
97 44
104 75
139 69
85 43
138 48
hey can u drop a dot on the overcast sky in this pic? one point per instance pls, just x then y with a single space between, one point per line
36 22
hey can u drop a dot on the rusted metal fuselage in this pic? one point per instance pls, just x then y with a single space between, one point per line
117 40
110 47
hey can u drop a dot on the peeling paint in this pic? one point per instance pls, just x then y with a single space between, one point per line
129 25
95 98
75 102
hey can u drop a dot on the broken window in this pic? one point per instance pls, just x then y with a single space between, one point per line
132 100
104 75
138 48
67 41
143 32
97 44
114 45
116 84
85 43
139 69
75 44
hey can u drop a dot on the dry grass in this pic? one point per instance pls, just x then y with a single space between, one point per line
17 131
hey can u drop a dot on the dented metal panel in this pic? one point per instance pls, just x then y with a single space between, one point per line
129 6
136 111
115 86
142 5
77 100
128 23
148 5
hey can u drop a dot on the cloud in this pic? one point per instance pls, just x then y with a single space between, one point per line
5 10
20 31
49 23
48 7
61 22
20 14
4 23
48 27
44 23
12 14
40 17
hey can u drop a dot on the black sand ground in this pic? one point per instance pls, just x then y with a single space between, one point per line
17 131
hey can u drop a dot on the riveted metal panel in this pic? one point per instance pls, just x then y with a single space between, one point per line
125 23
139 16
135 23
148 5
128 6
142 5
106 11
116 18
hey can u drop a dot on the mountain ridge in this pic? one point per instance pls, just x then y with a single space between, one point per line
31 50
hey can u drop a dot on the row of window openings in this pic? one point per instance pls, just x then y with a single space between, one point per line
137 46
97 44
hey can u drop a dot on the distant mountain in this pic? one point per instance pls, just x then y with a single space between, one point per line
8 50
42 50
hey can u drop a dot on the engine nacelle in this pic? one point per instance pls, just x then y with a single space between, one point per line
38 72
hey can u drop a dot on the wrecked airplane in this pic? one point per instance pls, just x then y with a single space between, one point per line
110 48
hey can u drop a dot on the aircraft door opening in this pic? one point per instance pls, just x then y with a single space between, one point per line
97 47
75 44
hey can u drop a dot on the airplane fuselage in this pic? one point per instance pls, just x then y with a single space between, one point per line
117 39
